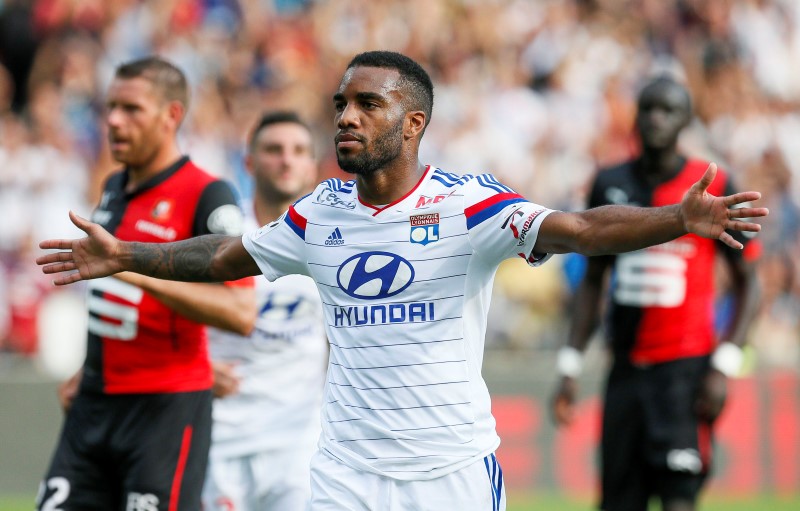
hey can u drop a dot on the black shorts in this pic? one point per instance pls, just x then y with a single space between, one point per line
653 444
133 452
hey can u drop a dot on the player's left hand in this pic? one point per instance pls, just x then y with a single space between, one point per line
709 216
711 396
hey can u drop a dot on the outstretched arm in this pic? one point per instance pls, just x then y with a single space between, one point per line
210 258
614 229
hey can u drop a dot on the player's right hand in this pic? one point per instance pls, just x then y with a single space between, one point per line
67 390
226 381
563 402
96 255
711 396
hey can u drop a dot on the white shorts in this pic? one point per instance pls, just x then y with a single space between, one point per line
337 487
277 479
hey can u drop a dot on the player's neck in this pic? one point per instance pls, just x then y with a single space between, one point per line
138 174
267 210
389 184
661 164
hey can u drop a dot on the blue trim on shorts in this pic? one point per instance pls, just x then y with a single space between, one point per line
495 474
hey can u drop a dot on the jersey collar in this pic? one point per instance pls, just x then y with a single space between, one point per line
376 210
155 180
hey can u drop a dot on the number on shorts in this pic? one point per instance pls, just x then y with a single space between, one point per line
60 485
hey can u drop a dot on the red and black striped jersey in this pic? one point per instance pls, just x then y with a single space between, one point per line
662 297
136 344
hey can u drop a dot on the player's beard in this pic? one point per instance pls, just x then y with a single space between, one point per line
386 148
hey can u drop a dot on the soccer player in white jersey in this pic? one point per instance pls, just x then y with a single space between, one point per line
269 384
403 256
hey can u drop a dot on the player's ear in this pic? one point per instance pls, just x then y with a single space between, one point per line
176 111
414 124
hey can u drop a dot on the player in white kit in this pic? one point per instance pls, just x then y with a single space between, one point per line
269 384
404 257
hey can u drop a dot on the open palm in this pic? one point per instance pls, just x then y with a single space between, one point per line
710 217
93 256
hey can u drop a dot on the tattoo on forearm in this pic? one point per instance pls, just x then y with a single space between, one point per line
188 260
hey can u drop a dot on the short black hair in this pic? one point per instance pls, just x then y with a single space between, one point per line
163 74
412 75
276 117
667 80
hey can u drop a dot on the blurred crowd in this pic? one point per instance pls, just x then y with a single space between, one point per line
539 92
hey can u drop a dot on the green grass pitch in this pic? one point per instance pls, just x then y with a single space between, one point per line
553 503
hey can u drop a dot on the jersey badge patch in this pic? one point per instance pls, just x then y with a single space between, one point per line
424 228
226 219
519 229
162 210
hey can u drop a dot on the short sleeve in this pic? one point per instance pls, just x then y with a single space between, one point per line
501 223
217 211
279 248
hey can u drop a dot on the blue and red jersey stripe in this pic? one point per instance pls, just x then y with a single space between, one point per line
296 222
488 208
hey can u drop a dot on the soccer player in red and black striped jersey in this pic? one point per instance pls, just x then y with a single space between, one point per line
137 430
667 384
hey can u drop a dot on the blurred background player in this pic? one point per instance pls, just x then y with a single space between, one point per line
665 388
136 435
269 384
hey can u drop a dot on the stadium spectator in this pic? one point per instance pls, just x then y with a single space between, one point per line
403 257
665 388
138 424
269 385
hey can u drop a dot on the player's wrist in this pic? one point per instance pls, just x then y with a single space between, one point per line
728 359
123 256
569 362
680 217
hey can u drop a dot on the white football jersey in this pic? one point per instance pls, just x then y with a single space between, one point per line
405 291
282 366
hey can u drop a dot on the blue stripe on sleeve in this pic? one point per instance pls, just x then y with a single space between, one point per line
489 212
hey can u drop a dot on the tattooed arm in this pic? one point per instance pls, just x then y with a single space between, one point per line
211 258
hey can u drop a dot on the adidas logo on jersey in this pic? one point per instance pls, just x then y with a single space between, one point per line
335 238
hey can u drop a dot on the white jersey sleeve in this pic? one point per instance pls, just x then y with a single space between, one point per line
279 247
501 223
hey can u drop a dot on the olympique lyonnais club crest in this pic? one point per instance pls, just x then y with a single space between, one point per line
162 210
424 228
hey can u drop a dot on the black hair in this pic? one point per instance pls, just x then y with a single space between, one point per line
666 80
412 76
276 117
164 75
